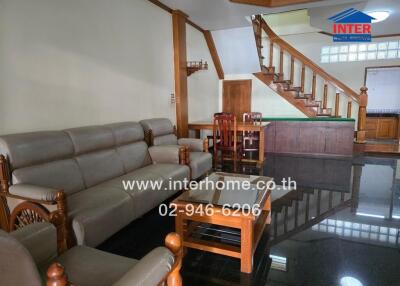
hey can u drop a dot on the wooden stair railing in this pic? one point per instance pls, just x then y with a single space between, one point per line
307 103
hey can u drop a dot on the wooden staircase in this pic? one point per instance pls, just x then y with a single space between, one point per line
302 82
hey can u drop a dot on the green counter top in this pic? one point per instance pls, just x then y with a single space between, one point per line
307 119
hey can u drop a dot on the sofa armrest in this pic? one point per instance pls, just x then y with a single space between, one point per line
150 270
172 154
34 192
40 239
194 144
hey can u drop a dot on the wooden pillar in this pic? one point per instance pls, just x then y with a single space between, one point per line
337 102
362 115
349 109
325 99
281 64
314 86
291 70
271 54
4 210
180 61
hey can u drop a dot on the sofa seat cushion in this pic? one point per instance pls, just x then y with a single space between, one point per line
99 212
154 188
200 163
91 267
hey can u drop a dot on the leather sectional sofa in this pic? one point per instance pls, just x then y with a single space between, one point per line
77 174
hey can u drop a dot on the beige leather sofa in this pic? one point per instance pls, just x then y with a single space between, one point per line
89 165
28 254
161 132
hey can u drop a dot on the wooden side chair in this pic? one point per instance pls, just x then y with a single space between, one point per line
211 137
29 253
250 139
225 137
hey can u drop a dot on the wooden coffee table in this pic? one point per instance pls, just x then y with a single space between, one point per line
227 221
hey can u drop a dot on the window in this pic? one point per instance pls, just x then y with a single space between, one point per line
360 52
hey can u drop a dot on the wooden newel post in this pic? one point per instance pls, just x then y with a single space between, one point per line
56 275
362 115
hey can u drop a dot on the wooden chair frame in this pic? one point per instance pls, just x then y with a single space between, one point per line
56 275
229 132
31 210
250 136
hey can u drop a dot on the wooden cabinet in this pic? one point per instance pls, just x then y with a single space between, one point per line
382 127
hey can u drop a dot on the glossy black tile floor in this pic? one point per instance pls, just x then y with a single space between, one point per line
340 227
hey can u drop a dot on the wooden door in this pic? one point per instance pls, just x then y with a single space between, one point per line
236 97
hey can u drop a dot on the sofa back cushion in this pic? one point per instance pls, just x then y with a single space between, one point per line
27 149
130 145
43 159
75 159
162 131
62 174
100 166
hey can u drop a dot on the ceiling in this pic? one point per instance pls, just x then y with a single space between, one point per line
318 15
223 14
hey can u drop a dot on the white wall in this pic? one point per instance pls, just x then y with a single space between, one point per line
202 85
74 63
237 50
265 100
351 73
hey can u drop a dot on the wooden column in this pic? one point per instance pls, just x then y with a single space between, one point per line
271 54
314 86
349 109
180 61
4 210
291 70
281 64
337 102
325 99
303 77
362 115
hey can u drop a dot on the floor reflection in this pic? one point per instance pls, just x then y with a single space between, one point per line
340 227
344 228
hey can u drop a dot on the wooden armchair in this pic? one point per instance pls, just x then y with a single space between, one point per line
32 211
32 252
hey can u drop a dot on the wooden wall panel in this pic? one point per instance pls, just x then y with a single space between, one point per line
311 138
236 97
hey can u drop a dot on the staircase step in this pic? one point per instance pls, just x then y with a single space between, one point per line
284 81
268 70
324 112
313 103
293 88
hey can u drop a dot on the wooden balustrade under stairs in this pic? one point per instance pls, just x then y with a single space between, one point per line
315 101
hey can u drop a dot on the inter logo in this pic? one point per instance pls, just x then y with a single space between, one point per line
351 26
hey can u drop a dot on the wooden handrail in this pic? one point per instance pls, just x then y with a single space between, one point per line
309 63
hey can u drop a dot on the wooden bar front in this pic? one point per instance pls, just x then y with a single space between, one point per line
331 138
